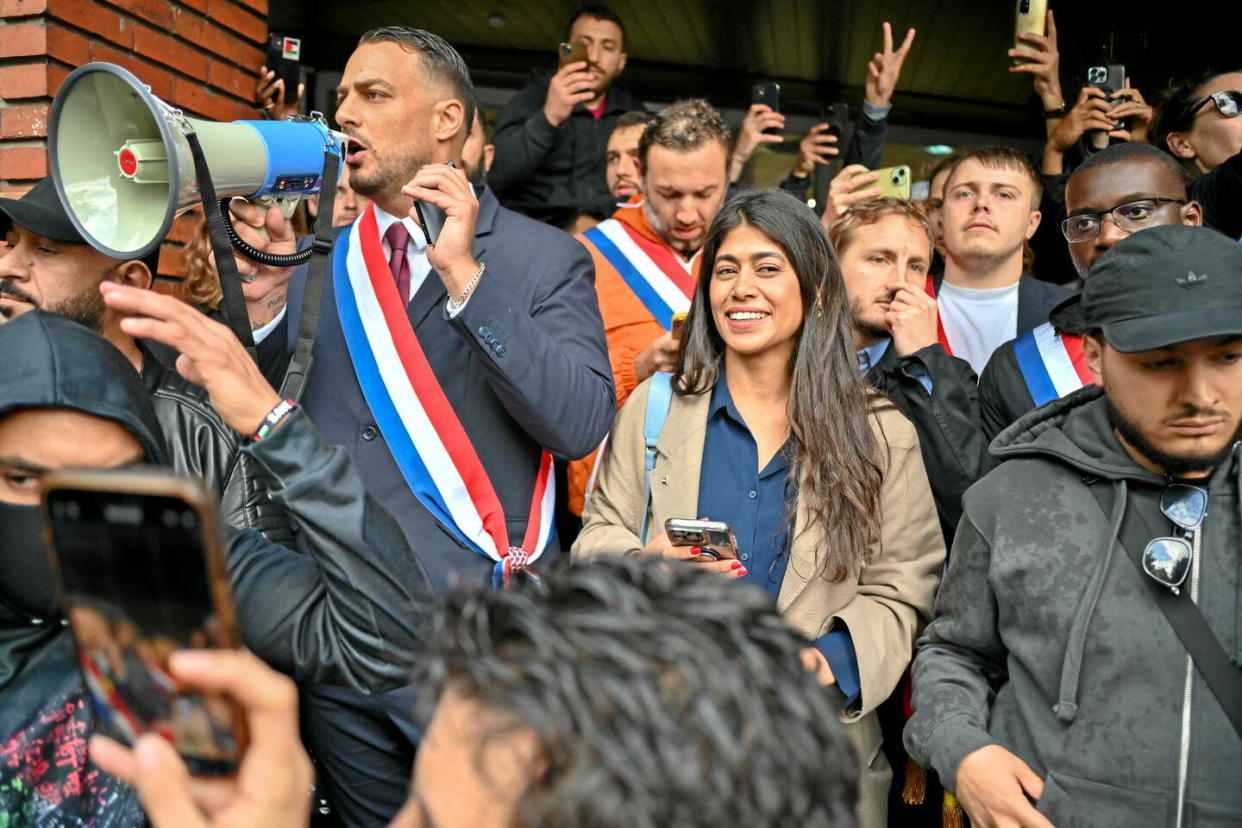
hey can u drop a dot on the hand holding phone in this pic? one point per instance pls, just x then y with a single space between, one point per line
141 571
894 181
284 60
768 94
572 84
714 537
568 53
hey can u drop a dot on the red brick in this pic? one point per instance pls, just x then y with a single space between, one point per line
29 121
23 40
94 18
21 8
174 287
23 163
162 49
233 16
232 80
199 6
160 81
184 227
204 103
258 6
203 34
28 81
160 12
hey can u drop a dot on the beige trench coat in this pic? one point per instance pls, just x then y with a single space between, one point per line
884 609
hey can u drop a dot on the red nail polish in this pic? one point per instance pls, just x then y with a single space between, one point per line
737 565
741 573
694 550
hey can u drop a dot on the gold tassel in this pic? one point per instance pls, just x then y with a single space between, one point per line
951 813
915 790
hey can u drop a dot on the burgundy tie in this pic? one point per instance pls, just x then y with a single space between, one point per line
398 237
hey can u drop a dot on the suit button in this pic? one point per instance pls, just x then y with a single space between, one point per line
500 350
484 332
369 433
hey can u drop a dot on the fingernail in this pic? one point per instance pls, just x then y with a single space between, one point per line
741 573
694 550
737 564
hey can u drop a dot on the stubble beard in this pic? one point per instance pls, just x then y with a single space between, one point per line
867 331
392 171
1177 465
680 245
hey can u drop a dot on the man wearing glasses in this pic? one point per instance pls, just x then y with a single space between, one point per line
1052 688
1121 190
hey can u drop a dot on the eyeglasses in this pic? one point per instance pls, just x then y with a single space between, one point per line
1131 216
1228 103
1167 560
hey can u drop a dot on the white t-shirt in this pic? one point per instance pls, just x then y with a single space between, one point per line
978 321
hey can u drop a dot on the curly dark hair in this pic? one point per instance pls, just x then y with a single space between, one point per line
659 695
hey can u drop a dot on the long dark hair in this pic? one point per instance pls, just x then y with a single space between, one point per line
838 462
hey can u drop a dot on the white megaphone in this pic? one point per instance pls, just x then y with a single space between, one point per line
124 171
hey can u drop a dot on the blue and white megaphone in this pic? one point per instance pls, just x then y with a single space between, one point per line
123 168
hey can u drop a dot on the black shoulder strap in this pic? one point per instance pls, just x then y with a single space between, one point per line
1223 678
312 294
234 302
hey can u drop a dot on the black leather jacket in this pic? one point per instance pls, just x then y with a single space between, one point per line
199 443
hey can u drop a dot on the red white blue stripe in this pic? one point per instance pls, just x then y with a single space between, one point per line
1053 364
661 279
419 425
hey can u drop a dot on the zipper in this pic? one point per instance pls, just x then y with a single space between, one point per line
1183 760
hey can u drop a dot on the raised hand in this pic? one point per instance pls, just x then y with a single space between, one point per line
885 68
571 85
844 191
758 118
816 147
1042 60
452 256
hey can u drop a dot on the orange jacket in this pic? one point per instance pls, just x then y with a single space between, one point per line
628 326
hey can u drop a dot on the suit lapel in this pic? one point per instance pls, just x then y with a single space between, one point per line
679 457
802 563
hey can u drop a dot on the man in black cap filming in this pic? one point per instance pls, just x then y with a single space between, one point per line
1082 667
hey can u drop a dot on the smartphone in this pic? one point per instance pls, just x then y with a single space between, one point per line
679 323
770 94
1108 78
284 57
894 181
430 217
837 117
714 537
141 573
1030 18
575 52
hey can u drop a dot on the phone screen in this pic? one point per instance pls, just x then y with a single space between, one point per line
137 587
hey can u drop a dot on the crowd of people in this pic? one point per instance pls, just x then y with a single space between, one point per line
975 457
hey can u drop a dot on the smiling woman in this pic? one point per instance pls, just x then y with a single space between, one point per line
772 429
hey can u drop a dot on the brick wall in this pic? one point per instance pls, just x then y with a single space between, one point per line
201 55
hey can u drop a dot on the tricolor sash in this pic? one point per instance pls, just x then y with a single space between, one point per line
419 425
1053 364
930 287
661 279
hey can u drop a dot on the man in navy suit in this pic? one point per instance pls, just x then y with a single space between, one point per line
504 311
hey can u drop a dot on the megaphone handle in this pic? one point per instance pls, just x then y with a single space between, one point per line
234 301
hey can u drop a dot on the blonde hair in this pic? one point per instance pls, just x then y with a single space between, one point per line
867 213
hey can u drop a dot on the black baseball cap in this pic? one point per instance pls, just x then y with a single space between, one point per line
1165 285
41 212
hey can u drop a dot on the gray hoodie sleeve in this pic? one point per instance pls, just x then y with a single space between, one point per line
960 663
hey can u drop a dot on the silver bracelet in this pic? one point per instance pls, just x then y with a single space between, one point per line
453 305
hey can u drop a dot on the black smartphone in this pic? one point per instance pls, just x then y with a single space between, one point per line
284 57
141 573
1108 77
770 94
837 117
430 217
714 537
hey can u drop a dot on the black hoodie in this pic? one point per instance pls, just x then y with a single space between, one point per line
345 608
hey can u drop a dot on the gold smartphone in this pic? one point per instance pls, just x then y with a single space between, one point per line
140 567
678 324
1031 17
894 181
575 52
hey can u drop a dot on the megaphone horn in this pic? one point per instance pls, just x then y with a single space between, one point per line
123 169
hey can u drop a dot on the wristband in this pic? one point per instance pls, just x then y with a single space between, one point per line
1058 112
272 419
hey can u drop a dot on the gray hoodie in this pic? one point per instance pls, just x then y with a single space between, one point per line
1047 640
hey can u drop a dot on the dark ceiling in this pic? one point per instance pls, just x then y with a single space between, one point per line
956 75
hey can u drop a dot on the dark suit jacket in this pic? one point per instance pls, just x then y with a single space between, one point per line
525 365
1036 299
947 421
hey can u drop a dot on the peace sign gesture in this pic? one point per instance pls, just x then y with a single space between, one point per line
884 69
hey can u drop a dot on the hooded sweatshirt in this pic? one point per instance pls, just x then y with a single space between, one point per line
346 607
1048 642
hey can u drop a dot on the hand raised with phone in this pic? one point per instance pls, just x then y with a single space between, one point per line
445 187
573 83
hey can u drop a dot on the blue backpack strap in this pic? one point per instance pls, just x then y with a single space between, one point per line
659 398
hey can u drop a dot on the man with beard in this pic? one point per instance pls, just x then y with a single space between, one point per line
646 255
1121 190
551 138
885 247
452 372
50 266
341 607
621 159
1053 686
